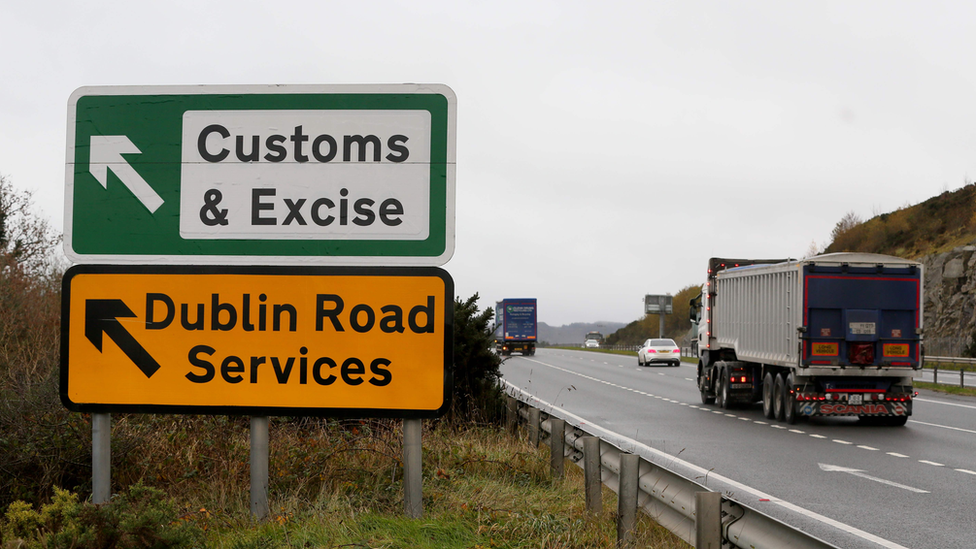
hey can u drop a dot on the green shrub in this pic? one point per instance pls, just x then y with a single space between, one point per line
476 393
137 519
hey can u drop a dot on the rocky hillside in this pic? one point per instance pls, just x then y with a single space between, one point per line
937 225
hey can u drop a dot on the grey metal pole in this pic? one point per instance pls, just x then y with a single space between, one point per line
535 419
557 443
591 475
259 467
661 328
627 498
413 468
101 458
708 520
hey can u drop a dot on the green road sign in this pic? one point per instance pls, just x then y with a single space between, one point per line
357 175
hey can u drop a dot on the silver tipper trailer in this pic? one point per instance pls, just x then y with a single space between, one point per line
830 335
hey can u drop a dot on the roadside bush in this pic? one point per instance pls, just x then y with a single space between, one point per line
477 396
41 444
139 518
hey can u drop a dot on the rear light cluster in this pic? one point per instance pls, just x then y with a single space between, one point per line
868 397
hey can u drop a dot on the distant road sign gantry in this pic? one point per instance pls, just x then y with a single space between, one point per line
352 175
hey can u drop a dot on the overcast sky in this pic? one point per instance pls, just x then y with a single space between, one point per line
605 149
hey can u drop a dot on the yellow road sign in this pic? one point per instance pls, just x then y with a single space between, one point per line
369 341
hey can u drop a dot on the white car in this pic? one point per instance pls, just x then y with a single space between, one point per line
657 351
591 343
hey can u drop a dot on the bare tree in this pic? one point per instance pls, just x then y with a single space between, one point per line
27 240
846 223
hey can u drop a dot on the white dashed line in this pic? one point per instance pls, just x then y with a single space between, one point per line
967 471
762 423
861 446
796 431
897 455
726 415
932 463
778 427
842 441
817 436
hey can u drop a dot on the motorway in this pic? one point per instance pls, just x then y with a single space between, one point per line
852 485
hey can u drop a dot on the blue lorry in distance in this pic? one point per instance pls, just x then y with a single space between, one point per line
516 326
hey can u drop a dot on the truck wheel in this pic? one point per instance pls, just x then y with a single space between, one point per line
778 388
789 401
706 397
767 398
722 391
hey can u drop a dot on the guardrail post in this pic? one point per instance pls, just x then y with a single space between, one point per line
935 373
557 443
101 458
962 376
627 499
511 413
535 419
591 475
708 520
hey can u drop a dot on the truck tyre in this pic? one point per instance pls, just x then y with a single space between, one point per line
722 390
767 398
778 388
789 401
706 397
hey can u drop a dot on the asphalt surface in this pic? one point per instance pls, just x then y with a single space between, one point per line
852 485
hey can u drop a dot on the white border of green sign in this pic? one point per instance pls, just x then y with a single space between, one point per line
273 175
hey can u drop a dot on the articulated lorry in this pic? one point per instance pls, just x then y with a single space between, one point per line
831 335
515 326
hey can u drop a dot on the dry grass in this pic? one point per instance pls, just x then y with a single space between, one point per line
339 484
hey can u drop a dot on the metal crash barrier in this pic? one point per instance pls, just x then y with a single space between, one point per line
664 495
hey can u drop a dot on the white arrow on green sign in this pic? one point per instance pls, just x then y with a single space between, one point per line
357 175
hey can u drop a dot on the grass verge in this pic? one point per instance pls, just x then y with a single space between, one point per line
482 488
945 388
332 484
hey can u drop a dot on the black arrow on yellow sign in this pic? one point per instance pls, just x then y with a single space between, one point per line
101 316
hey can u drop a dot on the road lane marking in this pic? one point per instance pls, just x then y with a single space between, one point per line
796 431
896 454
860 473
861 446
945 403
967 471
943 426
817 436
932 463
838 441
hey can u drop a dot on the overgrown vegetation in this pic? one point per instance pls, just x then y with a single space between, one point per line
676 325
937 225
